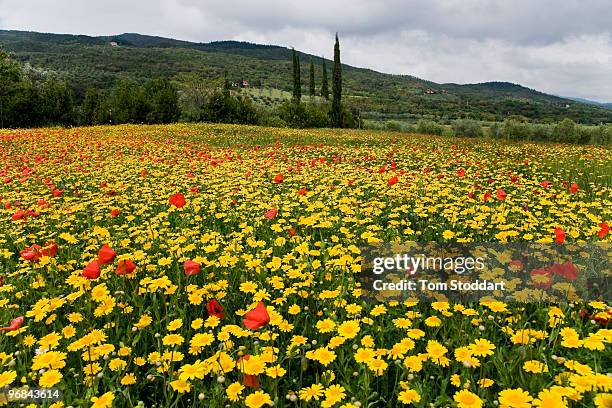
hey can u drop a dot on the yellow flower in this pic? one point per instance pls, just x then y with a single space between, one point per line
348 329
234 391
128 379
408 396
103 401
534 366
172 340
275 371
257 400
315 392
7 378
514 398
467 399
49 378
180 386
175 325
482 348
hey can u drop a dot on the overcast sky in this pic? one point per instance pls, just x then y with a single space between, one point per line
563 47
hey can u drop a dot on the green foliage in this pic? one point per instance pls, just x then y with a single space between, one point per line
311 81
91 62
162 97
515 130
336 107
324 83
129 104
467 127
429 127
222 107
304 115
297 82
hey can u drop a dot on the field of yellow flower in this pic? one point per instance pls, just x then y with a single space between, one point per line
213 266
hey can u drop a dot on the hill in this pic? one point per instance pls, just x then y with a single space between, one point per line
102 61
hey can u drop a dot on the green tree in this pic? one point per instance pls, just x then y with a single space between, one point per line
129 104
10 79
336 108
297 82
162 97
324 85
90 107
312 80
57 103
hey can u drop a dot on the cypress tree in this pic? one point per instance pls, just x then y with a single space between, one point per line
312 79
297 82
324 85
336 108
226 84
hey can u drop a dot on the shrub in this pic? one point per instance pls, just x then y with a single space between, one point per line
429 127
467 127
515 130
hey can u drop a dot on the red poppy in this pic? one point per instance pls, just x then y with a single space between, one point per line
191 267
461 173
50 249
486 197
249 380
278 178
32 253
114 213
19 215
125 267
501 195
291 231
214 308
256 318
15 324
546 184
106 255
392 181
604 230
178 200
302 191
91 271
559 235
568 270
57 193
574 188
271 213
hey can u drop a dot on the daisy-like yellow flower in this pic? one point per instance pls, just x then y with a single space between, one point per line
103 401
257 399
467 399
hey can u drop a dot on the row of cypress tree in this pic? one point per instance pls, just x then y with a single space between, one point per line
336 110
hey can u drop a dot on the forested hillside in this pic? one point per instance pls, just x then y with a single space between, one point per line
101 62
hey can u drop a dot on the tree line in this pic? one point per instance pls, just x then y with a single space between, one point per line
32 97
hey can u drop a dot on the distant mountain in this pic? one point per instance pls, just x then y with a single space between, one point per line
102 61
590 102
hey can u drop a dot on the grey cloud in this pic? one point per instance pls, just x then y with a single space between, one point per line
561 47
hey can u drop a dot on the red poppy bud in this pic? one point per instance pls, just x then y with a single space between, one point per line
214 308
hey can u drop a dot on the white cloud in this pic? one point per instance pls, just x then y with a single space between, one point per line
560 47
